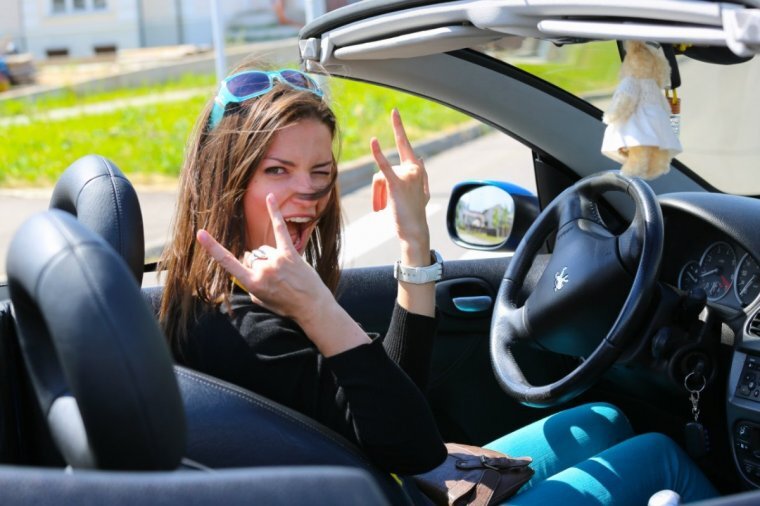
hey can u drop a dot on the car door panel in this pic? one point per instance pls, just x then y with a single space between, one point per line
462 383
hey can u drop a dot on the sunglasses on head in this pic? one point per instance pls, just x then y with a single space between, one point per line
249 84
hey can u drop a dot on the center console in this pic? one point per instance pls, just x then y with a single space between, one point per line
743 408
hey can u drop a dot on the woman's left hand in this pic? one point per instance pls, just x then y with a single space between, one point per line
406 187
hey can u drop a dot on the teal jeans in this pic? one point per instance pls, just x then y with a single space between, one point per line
588 455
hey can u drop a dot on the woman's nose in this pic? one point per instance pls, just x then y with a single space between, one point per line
302 183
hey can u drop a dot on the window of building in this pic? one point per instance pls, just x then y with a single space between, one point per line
57 52
105 49
76 6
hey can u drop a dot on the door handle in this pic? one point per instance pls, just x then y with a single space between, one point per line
464 297
473 304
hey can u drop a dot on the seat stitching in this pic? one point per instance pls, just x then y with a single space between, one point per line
249 398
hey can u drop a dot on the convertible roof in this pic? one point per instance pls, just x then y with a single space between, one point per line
380 29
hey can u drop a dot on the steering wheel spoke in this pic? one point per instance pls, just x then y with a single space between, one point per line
575 307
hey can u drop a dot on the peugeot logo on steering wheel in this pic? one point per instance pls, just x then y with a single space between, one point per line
560 280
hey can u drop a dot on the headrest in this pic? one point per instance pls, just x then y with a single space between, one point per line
95 191
98 362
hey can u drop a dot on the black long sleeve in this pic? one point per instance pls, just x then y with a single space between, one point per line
362 393
409 343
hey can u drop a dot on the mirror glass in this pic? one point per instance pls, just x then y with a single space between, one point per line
484 216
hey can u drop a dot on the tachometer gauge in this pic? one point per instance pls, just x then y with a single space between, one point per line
689 278
718 266
747 280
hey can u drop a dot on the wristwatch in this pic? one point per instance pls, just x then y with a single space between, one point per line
420 275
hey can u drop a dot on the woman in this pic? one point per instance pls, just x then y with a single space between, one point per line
260 179
263 178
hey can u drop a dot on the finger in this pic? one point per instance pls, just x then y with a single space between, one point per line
404 147
382 162
221 254
379 192
280 228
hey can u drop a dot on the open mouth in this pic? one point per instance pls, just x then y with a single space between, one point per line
300 228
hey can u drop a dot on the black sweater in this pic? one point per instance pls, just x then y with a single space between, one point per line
362 393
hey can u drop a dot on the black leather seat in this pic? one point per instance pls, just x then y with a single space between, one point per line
322 486
95 191
98 362
102 371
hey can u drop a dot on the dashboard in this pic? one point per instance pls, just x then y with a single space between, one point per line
704 253
726 272
712 243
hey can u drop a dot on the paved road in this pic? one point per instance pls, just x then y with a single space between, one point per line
370 237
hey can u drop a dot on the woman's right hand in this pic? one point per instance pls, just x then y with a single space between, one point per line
285 284
277 278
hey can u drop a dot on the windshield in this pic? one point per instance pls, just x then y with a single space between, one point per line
719 103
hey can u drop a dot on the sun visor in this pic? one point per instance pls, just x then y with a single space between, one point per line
436 40
600 30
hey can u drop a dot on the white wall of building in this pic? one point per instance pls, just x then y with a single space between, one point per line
81 25
79 31
161 22
11 24
197 16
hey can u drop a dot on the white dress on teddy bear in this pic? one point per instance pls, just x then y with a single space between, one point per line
648 125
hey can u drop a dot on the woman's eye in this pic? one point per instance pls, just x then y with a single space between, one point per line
321 173
274 170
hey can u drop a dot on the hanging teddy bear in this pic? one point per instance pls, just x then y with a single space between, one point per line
639 134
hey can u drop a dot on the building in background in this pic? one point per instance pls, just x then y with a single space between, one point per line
85 28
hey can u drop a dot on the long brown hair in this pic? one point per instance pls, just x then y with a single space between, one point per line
218 166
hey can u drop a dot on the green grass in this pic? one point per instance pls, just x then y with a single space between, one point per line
67 97
583 69
148 142
144 142
364 111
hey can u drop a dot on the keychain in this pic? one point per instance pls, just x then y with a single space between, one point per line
695 434
675 110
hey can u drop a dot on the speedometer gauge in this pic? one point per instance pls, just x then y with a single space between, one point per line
688 278
718 266
747 280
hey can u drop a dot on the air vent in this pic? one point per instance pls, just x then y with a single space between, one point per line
754 325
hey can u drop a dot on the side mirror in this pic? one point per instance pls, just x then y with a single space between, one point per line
490 215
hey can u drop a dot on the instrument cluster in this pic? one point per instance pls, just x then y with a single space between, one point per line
722 271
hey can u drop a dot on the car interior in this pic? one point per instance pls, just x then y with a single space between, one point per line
93 407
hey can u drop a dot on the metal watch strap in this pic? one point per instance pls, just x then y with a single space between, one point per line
420 275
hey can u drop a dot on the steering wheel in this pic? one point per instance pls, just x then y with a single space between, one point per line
592 273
